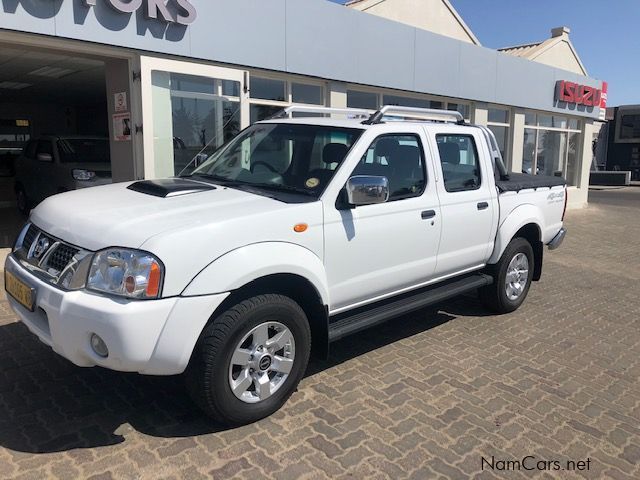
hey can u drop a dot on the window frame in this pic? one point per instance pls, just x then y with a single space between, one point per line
423 158
288 84
507 156
568 131
477 156
381 92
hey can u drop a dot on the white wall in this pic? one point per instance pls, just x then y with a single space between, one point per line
561 56
431 15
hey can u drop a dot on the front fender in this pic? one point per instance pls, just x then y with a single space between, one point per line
243 265
516 219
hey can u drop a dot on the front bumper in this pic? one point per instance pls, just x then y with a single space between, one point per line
154 337
557 240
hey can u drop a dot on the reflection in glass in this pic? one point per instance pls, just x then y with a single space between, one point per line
303 93
267 89
528 153
357 99
572 159
498 115
530 118
406 101
551 152
501 134
262 112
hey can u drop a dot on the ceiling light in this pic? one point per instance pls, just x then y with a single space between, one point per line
52 72
14 85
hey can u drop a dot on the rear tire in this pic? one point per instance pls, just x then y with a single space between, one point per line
512 277
249 359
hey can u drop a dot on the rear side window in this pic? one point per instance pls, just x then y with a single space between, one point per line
45 147
460 165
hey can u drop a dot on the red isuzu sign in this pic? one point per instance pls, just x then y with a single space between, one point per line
577 94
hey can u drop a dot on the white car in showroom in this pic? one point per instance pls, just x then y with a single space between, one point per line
297 233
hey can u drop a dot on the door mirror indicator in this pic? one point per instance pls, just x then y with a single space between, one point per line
367 190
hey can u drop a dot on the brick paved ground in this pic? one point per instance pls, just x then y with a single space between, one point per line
424 397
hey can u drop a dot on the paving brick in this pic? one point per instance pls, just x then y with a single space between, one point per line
425 396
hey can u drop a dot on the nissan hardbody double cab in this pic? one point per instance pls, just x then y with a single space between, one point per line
298 232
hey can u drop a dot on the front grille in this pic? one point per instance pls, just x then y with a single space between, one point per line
48 257
61 256
29 237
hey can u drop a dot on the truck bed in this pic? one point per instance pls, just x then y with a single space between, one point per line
523 181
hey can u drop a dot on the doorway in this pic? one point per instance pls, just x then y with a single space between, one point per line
190 110
55 126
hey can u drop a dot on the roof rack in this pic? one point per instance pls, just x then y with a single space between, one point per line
413 113
394 111
351 112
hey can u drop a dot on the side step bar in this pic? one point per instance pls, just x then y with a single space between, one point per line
354 321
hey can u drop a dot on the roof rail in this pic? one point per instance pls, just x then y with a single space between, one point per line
352 112
428 114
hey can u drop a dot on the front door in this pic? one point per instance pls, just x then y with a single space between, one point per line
189 110
375 250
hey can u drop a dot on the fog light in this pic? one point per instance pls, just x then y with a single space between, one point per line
99 346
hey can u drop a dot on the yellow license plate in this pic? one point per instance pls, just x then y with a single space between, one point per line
19 290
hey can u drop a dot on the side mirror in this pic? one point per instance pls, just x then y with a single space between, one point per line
367 190
45 157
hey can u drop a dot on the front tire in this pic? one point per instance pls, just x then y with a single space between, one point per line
512 277
249 359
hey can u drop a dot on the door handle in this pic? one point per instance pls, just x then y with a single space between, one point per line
427 214
483 206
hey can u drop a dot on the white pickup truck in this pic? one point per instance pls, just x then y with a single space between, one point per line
298 232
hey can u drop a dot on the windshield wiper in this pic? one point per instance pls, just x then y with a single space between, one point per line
216 178
280 187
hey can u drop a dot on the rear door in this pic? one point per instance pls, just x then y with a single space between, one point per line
373 251
467 199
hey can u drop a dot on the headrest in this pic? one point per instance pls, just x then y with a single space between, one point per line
449 152
334 152
409 154
386 147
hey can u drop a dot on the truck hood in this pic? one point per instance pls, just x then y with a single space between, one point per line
115 215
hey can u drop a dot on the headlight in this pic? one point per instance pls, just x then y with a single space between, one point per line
84 175
20 240
129 273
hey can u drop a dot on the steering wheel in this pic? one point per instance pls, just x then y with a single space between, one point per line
260 162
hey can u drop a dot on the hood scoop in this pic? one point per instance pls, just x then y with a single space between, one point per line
170 187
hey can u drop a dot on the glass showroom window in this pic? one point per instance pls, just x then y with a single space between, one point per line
551 146
411 102
499 123
463 108
195 115
269 95
361 99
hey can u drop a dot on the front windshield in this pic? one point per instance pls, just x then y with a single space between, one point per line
84 150
284 156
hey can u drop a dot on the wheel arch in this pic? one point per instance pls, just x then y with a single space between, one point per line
300 290
271 267
527 222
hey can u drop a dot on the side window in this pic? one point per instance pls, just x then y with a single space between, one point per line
460 165
400 158
45 147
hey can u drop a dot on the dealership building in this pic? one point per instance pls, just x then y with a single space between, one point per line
165 79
